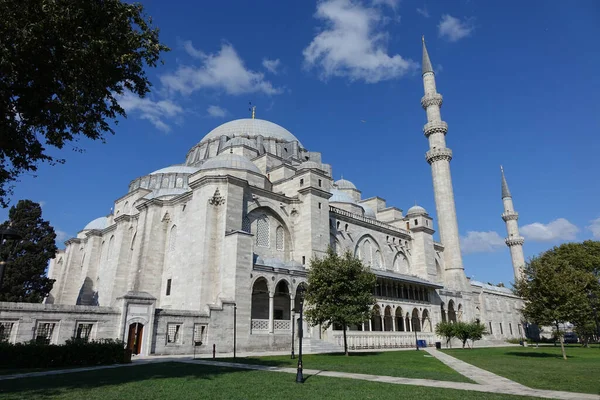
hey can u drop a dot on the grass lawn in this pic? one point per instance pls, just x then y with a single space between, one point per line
184 381
405 364
540 368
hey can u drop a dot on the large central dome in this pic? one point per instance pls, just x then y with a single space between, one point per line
252 128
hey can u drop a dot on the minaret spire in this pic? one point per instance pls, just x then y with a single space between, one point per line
439 157
426 65
514 241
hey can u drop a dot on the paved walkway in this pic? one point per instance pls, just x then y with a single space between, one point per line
486 381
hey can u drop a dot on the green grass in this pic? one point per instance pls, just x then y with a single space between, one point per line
405 364
540 368
184 381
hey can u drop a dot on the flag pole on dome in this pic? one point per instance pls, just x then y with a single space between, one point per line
252 109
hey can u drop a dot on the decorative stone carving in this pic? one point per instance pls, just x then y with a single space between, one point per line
507 216
217 199
435 127
432 100
438 154
516 241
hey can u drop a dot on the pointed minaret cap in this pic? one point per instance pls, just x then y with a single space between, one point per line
505 191
426 62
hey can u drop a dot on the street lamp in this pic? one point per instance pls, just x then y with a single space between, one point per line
7 234
293 323
299 377
593 300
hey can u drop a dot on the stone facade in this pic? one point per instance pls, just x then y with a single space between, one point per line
197 253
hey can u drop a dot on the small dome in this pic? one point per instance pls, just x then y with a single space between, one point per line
176 169
369 213
344 184
98 223
340 197
231 161
310 165
252 128
416 210
240 141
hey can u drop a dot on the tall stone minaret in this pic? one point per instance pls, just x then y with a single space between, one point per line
514 241
439 157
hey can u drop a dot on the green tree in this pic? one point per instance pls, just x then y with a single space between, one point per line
25 274
62 65
340 291
556 285
476 331
446 330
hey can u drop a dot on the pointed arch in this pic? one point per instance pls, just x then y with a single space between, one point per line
416 322
260 299
376 319
173 238
443 311
459 314
279 238
387 319
426 321
401 264
399 319
368 251
111 245
451 311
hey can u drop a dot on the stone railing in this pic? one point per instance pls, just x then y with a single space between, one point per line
282 324
381 340
260 325
404 233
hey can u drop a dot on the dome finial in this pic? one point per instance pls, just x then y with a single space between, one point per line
252 109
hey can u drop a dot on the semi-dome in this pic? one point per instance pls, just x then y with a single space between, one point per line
340 197
252 128
344 184
98 223
416 210
176 169
231 161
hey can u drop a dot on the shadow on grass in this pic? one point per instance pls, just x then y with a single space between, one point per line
535 355
56 385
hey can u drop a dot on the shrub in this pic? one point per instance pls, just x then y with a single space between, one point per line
75 352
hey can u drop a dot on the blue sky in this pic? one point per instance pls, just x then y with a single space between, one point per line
519 81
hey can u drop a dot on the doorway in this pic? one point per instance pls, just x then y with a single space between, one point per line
134 339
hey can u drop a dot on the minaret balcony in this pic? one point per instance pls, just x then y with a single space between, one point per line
429 100
435 127
510 215
438 154
515 241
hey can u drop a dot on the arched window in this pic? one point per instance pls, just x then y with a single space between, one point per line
401 264
263 232
126 208
279 236
173 238
377 259
111 245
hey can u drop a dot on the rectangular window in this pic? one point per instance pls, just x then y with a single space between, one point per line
510 328
5 330
319 206
320 182
173 335
44 331
501 331
199 334
491 331
83 331
519 326
301 182
303 260
168 287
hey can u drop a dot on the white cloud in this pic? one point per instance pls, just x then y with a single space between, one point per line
61 236
453 29
390 3
595 228
559 229
481 242
153 111
216 111
352 44
423 11
221 71
271 65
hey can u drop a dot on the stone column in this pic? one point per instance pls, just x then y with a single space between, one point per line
271 302
394 323
292 298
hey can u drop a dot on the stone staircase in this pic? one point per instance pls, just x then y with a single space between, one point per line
314 346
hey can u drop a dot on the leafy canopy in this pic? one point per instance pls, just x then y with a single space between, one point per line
25 273
62 63
340 290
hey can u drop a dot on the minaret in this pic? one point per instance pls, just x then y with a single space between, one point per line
439 157
514 241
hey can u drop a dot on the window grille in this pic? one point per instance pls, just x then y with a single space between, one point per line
279 238
44 332
199 330
262 232
173 333
84 331
5 330
246 224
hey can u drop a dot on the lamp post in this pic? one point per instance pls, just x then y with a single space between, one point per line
7 234
593 300
299 376
234 327
293 323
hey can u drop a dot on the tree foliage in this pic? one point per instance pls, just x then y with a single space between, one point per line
62 64
24 276
463 331
557 286
445 329
340 291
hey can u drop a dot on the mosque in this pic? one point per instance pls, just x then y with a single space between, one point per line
213 251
